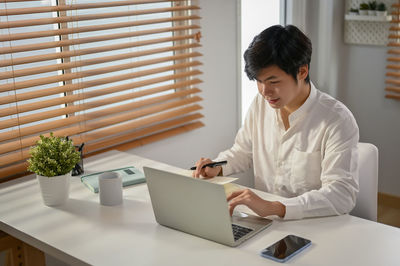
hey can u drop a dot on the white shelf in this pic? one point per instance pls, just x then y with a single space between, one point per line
368 18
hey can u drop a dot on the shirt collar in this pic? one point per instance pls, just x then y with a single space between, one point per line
305 107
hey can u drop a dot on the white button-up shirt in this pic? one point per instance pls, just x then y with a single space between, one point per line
313 163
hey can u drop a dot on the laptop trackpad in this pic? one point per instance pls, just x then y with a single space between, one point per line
250 221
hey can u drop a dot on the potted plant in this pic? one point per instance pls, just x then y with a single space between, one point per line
353 11
381 10
364 9
52 159
372 8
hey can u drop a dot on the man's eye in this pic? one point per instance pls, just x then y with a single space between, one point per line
274 82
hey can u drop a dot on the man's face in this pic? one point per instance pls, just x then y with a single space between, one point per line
279 88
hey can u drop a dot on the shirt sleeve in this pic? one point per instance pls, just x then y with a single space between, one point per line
240 156
339 176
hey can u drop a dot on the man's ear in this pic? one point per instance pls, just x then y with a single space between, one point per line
302 73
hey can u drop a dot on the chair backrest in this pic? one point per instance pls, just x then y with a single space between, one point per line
367 199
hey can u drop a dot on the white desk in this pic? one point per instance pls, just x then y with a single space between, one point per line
84 232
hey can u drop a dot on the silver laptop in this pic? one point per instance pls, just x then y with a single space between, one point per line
199 208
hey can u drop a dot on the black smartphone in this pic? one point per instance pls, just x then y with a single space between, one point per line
285 248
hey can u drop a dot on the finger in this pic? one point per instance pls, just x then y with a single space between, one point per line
234 194
234 203
196 172
199 167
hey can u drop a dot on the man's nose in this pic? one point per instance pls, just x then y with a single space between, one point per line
266 90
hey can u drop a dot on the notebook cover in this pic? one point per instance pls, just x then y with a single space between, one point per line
130 176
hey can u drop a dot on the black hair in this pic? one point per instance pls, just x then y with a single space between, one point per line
287 47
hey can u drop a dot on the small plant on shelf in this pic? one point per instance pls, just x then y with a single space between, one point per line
372 5
372 8
364 9
381 9
353 11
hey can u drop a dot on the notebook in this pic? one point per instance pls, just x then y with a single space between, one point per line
130 176
199 208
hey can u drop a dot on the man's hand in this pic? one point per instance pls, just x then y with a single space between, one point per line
255 203
206 172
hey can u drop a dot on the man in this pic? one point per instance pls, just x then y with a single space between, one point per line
301 142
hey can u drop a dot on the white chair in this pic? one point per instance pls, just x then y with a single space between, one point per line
367 199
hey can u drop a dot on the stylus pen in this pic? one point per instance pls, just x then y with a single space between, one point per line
210 165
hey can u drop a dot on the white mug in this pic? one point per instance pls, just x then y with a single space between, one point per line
110 186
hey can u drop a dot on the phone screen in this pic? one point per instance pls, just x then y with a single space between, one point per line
285 248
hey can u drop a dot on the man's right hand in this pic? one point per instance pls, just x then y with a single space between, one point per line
206 172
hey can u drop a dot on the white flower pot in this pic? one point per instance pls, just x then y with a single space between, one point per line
363 12
371 12
381 13
55 189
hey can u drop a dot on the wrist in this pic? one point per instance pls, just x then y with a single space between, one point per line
279 209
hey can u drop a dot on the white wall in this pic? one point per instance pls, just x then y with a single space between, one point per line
219 91
377 117
360 84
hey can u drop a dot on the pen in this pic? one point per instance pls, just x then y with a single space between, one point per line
210 165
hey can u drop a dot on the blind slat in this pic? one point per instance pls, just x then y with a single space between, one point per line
97 60
24 154
162 135
47 103
92 72
393 74
394 52
64 19
13 170
392 81
46 45
22 167
42 9
393 89
393 59
393 44
62 89
88 105
99 49
50 33
393 67
99 134
76 119
392 96
141 132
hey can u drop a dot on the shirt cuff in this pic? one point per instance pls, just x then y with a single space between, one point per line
294 209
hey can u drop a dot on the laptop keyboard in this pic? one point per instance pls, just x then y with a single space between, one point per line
240 231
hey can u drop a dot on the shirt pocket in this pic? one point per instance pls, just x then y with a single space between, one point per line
306 171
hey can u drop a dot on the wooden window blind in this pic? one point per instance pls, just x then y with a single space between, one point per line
104 73
393 59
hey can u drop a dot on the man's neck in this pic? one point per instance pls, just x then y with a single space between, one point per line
300 99
287 110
